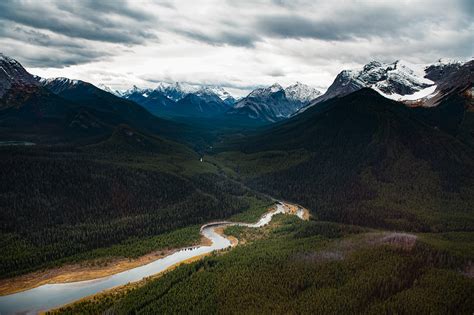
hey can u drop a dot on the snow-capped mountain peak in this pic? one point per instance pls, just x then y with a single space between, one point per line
135 90
59 81
10 67
207 93
219 91
13 73
178 90
182 99
175 91
7 63
266 91
162 85
414 84
274 103
109 90
372 65
399 80
60 84
298 92
301 92
275 87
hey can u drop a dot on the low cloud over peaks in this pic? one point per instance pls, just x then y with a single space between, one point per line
310 40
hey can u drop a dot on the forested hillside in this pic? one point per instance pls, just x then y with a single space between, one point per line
294 267
362 159
59 204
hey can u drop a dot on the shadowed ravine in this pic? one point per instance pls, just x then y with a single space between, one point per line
50 296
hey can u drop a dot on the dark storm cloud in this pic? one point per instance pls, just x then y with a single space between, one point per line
344 24
63 33
34 37
221 38
108 21
36 48
254 40
62 58
293 26
326 21
87 8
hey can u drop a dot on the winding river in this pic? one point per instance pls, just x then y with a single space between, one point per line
50 296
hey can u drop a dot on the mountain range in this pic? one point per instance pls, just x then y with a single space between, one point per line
185 100
182 100
413 84
79 105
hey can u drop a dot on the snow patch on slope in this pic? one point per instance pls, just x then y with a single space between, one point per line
401 81
135 90
59 81
427 93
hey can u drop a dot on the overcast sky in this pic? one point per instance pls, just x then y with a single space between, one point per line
236 44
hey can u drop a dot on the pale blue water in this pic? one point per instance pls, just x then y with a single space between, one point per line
50 296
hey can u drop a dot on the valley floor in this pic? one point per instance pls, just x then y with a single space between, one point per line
98 268
67 274
313 267
86 270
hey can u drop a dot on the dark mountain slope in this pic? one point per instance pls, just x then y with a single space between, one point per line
181 100
154 101
72 111
127 140
20 92
33 113
13 75
113 109
193 105
273 103
446 108
369 161
265 105
358 116
453 106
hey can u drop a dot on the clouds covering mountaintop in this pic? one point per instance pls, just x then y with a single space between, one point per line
257 43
